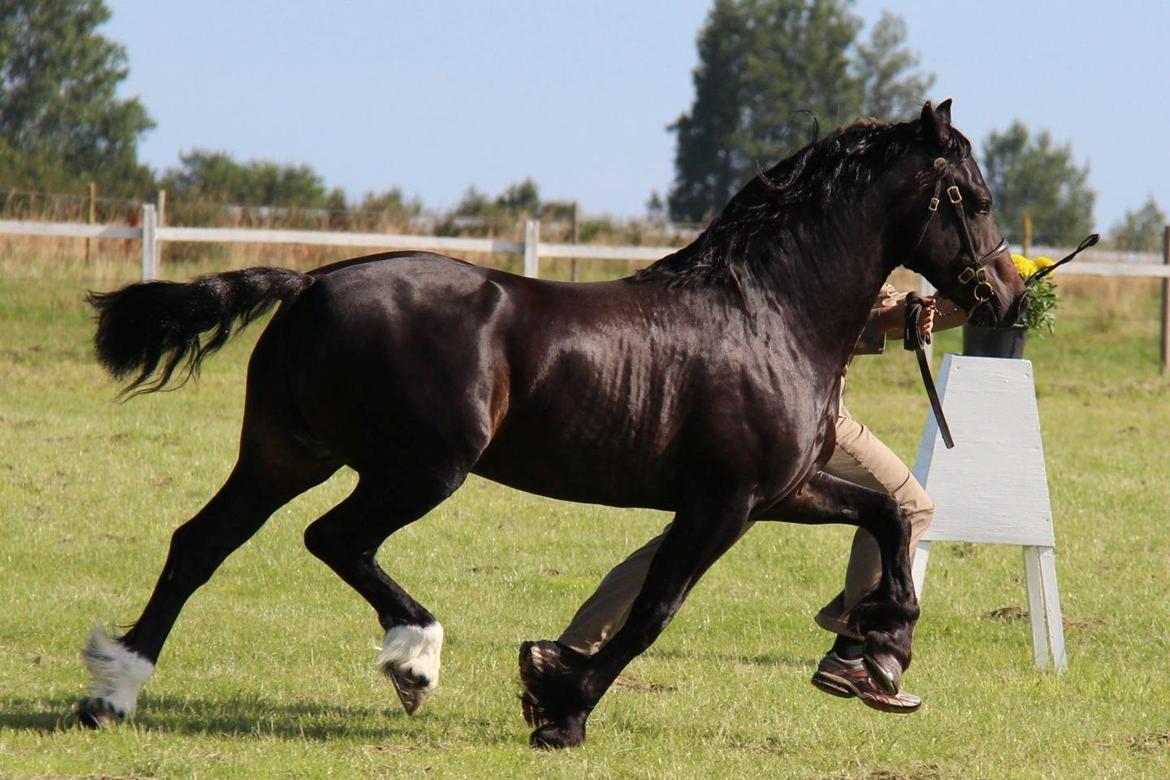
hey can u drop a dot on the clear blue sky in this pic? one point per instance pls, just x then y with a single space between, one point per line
433 97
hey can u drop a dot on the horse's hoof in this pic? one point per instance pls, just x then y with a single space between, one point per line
547 669
557 737
885 671
97 713
533 663
412 691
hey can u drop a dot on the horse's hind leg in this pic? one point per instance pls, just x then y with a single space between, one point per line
347 538
260 483
885 618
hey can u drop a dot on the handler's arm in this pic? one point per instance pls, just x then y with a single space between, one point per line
888 318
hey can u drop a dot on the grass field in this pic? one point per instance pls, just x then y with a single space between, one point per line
269 672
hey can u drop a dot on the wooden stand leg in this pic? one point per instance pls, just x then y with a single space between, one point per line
918 567
1053 617
1044 607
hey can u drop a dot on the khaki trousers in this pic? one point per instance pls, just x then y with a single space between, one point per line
859 457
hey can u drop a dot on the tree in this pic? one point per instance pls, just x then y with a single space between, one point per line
892 89
217 176
1034 173
708 162
58 101
1141 230
769 68
520 198
655 208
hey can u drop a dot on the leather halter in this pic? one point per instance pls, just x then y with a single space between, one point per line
974 273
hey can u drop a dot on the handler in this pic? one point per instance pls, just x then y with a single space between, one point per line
859 457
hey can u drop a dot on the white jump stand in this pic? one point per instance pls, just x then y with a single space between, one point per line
992 487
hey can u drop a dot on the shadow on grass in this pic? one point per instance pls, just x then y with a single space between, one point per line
261 718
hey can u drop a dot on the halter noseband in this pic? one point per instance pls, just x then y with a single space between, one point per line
974 273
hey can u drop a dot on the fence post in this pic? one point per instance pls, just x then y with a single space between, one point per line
1165 301
576 234
532 248
1027 232
92 218
149 242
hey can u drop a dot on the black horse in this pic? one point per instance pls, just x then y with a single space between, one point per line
705 385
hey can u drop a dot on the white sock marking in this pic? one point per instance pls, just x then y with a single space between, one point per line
414 649
118 674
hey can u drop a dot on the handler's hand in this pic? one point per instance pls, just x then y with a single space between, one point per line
926 320
892 319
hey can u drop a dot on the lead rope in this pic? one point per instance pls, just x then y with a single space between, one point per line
913 341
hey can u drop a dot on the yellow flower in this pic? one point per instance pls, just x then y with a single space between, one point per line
1043 262
1025 266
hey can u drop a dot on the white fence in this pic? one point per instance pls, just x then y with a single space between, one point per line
152 235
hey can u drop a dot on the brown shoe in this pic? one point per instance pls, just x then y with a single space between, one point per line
848 679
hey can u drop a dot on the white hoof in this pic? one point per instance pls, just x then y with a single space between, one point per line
117 674
410 658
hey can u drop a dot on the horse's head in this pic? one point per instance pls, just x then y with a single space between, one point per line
951 237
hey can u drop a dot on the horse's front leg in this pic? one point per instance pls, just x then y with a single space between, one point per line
885 618
560 691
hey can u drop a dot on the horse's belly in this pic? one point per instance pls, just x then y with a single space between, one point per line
576 471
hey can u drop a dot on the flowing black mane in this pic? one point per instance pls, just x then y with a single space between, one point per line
803 186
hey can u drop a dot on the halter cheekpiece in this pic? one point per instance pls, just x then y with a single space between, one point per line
974 273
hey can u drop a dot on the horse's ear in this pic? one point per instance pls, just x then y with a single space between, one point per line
944 110
936 123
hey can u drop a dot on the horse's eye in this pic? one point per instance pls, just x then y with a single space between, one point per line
983 207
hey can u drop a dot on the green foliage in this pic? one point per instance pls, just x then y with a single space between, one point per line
520 198
389 207
768 67
1040 314
477 212
60 115
1026 172
217 176
1141 230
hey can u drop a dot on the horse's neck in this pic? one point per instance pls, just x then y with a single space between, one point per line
820 284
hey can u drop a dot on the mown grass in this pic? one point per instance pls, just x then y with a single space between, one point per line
269 672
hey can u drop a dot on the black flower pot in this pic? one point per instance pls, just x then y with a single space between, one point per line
994 342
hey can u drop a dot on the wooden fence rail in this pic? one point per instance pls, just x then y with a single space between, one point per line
152 235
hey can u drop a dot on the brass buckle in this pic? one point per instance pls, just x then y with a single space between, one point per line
954 195
967 275
934 204
983 292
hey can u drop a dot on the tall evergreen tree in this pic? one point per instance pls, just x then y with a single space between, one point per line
1032 172
766 69
58 94
892 88
708 162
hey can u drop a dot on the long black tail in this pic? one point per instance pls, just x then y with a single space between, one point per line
144 325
